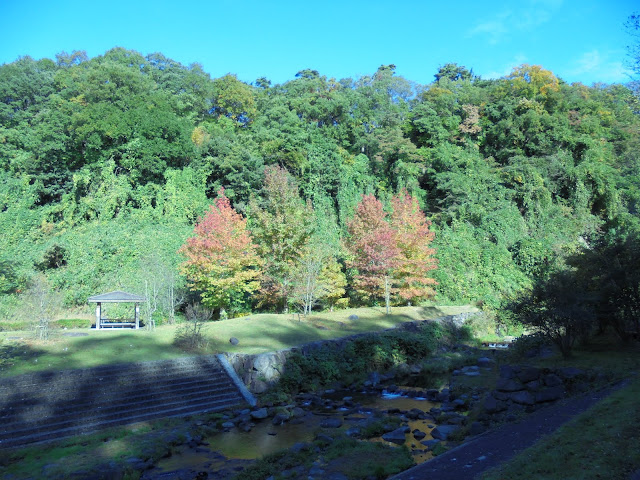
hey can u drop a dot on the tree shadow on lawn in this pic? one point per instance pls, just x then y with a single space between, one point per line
428 313
82 352
15 352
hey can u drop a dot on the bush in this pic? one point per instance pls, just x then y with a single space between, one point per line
525 344
559 307
73 323
275 463
362 355
365 460
189 334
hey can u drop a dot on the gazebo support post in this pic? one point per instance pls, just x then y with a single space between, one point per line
98 315
137 316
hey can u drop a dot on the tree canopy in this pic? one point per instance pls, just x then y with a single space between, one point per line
123 153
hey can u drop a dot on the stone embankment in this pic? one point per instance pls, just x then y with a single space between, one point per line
261 371
522 388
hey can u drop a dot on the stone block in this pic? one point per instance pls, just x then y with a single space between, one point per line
442 432
509 385
550 394
528 374
523 398
552 380
493 405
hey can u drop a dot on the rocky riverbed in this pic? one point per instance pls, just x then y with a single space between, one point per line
422 420
475 398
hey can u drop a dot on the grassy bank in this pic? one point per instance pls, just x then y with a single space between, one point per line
20 353
603 442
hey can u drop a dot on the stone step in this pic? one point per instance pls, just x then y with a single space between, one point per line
48 405
40 413
37 437
107 392
71 378
100 415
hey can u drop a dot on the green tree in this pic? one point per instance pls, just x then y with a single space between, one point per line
454 72
234 99
281 224
560 307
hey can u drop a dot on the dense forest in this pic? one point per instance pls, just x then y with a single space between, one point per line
108 163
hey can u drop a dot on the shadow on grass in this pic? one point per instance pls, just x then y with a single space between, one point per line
14 353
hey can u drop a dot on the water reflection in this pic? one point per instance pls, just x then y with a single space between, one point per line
266 438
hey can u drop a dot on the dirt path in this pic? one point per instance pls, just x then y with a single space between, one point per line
489 450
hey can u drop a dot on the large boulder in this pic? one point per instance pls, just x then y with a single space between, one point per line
509 385
396 436
550 394
492 405
268 366
507 371
442 432
523 398
259 414
528 374
552 380
418 434
331 422
485 362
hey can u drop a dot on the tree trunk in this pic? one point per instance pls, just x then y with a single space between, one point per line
387 293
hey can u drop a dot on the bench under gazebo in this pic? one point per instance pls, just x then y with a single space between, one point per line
117 297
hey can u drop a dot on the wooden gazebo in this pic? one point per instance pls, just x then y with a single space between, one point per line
117 297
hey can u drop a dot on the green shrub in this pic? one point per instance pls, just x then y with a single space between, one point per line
364 460
360 356
14 325
526 343
73 323
378 427
275 463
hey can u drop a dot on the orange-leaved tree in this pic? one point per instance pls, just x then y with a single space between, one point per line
415 257
221 260
373 249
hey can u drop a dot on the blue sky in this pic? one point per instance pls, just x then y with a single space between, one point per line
578 40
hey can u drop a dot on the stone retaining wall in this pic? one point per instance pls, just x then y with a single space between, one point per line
261 371
526 388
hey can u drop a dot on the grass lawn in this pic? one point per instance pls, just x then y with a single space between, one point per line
257 333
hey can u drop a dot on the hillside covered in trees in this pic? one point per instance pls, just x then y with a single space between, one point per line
106 165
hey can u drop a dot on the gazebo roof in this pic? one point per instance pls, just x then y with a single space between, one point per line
116 297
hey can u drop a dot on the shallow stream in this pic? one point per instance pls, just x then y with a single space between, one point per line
228 450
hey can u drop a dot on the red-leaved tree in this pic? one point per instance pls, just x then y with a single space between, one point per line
415 256
221 260
373 249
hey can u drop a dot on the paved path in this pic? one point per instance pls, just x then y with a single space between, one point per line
471 459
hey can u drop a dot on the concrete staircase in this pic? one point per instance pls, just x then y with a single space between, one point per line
50 405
